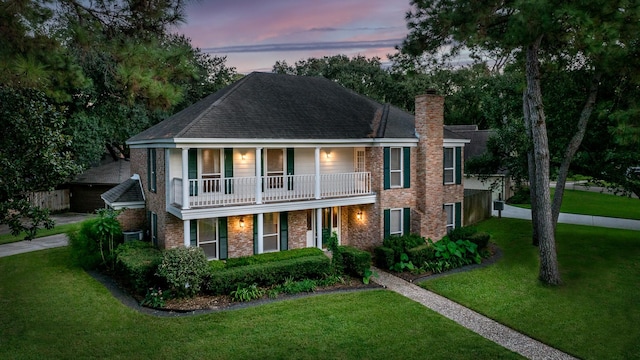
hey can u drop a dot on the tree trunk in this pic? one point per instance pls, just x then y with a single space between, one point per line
532 170
549 272
573 146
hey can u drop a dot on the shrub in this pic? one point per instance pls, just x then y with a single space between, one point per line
268 274
247 293
450 254
420 254
521 196
355 261
295 287
184 270
481 239
136 264
384 257
108 234
217 265
85 251
462 233
400 244
270 257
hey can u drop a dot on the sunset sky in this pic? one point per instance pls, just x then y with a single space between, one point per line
254 34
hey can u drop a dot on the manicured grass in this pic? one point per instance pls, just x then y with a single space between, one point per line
597 204
594 315
61 229
50 310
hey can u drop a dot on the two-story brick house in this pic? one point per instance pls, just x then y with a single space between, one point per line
275 162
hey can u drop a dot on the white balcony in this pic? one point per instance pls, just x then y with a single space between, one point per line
244 190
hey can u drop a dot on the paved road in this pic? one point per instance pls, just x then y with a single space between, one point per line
601 221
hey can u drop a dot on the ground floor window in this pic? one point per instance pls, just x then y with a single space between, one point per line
449 209
395 222
271 232
205 234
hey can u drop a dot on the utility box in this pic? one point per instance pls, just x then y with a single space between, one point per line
498 205
132 235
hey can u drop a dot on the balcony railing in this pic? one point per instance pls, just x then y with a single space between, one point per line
242 190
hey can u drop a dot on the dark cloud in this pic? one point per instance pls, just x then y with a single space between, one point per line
312 46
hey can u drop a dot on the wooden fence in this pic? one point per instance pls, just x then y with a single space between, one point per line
56 200
477 206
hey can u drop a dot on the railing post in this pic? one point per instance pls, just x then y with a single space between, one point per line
317 169
258 175
185 178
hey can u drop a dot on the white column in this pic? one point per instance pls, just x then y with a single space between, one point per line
259 177
319 228
185 178
187 232
260 233
317 168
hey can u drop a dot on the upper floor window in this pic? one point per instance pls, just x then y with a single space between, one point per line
452 165
396 167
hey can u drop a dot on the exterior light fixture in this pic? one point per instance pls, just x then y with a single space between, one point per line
328 153
359 215
243 156
242 223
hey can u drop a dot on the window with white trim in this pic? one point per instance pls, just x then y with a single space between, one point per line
208 236
359 160
395 167
449 165
275 167
211 170
271 232
396 222
449 209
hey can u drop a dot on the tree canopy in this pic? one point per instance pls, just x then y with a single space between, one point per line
593 40
108 69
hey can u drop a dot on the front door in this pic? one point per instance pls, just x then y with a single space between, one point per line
330 224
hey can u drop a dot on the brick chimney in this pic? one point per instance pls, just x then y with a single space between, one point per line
430 219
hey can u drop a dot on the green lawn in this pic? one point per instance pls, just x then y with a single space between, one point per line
61 229
593 203
594 315
50 310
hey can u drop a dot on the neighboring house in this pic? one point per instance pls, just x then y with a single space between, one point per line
86 188
499 184
275 162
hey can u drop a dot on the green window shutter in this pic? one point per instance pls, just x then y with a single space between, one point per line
290 169
228 170
386 154
151 169
193 233
154 221
406 227
255 234
458 210
222 233
387 223
406 157
193 171
458 168
284 231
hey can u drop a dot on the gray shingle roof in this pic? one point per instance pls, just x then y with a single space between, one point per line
129 191
277 106
479 138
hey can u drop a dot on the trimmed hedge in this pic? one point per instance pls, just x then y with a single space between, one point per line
271 257
355 261
421 254
136 264
400 244
184 270
384 257
462 233
267 274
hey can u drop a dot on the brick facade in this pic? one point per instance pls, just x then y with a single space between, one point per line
425 196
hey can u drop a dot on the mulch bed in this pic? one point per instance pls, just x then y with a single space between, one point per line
203 304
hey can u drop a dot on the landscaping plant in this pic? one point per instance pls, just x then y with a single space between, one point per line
184 270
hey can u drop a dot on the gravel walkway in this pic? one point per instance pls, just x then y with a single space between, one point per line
482 325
